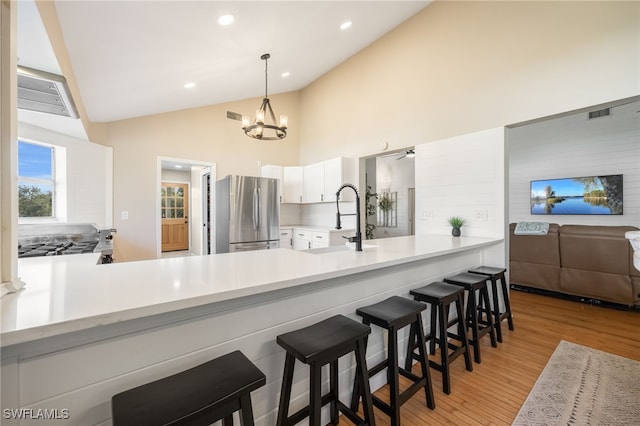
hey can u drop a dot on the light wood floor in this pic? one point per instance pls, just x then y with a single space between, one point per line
493 393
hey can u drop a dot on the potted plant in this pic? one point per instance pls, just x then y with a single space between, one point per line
456 223
371 211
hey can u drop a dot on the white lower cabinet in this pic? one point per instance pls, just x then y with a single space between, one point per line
301 239
286 238
319 239
305 239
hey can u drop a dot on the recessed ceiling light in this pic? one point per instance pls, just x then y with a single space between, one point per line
227 19
189 85
285 74
178 166
345 25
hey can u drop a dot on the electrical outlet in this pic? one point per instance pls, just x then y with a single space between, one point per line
125 215
427 214
482 215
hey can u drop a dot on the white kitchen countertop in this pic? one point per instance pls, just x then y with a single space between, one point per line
70 293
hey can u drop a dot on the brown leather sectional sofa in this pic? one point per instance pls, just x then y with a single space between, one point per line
593 262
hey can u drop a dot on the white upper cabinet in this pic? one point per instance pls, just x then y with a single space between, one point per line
275 172
336 172
292 184
315 183
322 180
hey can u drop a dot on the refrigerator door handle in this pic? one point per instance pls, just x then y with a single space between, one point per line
256 209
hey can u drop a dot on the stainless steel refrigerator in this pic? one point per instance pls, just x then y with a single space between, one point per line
247 214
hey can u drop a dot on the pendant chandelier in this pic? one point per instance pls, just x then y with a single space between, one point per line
264 126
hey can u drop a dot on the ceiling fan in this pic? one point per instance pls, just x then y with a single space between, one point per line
409 153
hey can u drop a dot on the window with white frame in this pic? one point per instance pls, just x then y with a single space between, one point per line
36 180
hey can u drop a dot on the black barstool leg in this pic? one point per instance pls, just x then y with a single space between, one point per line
462 331
432 327
411 347
315 394
246 411
484 294
362 381
228 421
285 392
472 318
496 309
333 386
507 302
444 349
424 363
393 376
357 387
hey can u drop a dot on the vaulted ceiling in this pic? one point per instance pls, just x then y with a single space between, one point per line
133 58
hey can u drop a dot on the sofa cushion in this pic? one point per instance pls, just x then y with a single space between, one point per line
542 249
595 248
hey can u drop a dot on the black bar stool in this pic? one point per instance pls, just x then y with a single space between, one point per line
393 314
199 396
478 312
317 345
440 296
494 275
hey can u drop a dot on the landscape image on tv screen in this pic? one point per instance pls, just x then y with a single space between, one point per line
600 195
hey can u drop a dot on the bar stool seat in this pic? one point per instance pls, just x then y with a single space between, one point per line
198 396
440 296
394 314
317 345
478 310
494 275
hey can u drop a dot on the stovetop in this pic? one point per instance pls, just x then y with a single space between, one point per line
56 248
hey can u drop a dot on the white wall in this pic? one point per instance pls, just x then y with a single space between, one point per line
89 175
573 146
461 176
458 67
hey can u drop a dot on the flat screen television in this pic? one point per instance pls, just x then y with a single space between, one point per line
589 195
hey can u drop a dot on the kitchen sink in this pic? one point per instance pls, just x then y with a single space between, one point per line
337 249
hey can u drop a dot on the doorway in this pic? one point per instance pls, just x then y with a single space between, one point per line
184 206
390 197
174 212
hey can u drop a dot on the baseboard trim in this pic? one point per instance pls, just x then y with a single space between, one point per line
580 299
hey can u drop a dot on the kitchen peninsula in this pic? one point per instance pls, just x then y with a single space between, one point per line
80 332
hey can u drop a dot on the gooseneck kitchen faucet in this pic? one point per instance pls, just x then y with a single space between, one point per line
358 237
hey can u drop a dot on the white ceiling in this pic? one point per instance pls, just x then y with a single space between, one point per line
132 58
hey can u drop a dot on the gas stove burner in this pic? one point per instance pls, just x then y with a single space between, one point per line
56 249
65 238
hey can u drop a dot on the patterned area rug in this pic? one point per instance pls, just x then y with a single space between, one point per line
584 386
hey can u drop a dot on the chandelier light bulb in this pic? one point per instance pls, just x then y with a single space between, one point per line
260 117
284 121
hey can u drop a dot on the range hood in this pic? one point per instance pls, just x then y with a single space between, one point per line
45 92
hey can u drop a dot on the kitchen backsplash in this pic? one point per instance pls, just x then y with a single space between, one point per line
290 214
317 214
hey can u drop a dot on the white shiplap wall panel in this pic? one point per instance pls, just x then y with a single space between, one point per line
573 146
461 176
